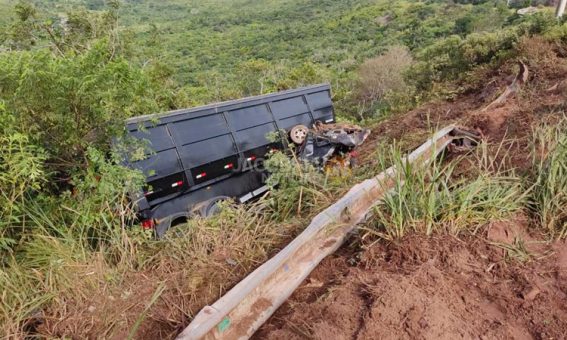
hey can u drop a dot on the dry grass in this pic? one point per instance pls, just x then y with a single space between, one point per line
129 285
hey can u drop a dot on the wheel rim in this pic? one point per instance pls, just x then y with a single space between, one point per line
298 134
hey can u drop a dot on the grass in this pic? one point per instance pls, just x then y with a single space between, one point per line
300 188
64 278
549 200
463 194
516 251
434 198
142 316
21 298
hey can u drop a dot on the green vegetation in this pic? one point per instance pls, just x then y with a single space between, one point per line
219 49
550 165
259 46
72 71
432 199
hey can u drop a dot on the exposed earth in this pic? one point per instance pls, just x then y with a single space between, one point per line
437 287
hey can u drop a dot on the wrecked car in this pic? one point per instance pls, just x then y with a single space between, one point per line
325 141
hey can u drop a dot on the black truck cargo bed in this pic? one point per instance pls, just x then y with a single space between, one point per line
206 152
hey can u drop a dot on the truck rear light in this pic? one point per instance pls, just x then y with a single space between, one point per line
201 175
229 166
148 224
251 158
177 184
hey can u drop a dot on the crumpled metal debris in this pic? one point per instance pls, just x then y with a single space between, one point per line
324 141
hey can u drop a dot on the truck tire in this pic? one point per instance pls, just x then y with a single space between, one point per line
209 207
298 134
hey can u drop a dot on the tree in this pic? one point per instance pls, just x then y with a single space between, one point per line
22 34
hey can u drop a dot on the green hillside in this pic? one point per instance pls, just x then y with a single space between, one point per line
225 49
74 261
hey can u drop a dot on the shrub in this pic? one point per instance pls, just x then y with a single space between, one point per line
451 58
68 104
22 171
381 79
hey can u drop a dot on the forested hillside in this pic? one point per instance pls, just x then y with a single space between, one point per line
217 49
75 262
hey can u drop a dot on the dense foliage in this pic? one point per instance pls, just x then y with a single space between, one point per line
218 49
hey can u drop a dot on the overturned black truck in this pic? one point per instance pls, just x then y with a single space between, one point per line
199 156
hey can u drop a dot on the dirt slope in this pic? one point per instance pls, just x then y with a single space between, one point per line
443 287
429 288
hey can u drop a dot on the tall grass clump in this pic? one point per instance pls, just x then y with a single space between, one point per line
432 198
549 198
20 299
297 187
69 248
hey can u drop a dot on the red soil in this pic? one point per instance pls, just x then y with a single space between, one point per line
436 287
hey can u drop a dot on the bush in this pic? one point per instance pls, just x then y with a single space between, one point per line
381 79
22 172
451 58
56 127
68 104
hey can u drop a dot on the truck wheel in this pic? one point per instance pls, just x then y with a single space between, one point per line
210 207
298 134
